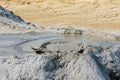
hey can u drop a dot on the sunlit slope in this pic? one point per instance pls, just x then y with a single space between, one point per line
95 14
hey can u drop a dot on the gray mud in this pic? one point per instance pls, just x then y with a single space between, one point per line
50 56
21 44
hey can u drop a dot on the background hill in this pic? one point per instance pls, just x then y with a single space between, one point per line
11 23
95 14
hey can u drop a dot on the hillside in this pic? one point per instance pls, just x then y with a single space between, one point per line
95 14
32 52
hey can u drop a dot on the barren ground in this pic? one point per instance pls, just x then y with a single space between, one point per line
101 15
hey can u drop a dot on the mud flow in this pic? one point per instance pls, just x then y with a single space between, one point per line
58 57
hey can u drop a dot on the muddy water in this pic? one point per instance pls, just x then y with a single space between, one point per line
92 40
21 44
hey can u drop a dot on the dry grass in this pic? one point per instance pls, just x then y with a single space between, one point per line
102 14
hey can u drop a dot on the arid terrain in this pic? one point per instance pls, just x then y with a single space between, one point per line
74 40
95 14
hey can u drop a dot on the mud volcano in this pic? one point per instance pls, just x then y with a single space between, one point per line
66 54
51 56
